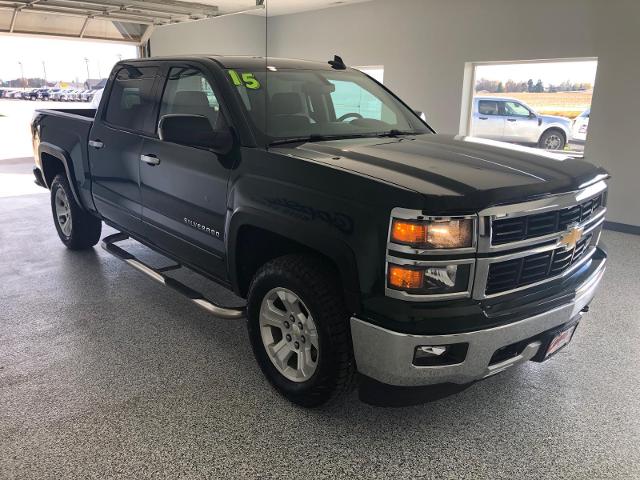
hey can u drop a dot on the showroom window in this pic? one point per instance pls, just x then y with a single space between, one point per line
544 104
131 102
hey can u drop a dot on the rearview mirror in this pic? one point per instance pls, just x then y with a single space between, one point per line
421 114
195 131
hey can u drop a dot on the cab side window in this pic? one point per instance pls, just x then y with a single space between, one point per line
131 101
188 92
488 107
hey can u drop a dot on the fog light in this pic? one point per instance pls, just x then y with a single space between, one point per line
431 351
434 355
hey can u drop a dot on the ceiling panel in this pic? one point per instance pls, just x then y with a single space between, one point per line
129 21
132 21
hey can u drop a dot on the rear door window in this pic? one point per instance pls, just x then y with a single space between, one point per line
131 102
488 107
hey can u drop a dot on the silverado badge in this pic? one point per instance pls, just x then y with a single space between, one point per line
571 237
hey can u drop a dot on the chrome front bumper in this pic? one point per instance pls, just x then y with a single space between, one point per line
387 356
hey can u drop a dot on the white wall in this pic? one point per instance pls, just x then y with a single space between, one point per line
239 34
424 45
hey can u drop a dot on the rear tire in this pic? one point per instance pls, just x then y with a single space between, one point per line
76 228
299 330
552 139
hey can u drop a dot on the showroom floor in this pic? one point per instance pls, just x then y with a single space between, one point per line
104 373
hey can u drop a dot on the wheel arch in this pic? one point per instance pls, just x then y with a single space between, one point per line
558 128
55 160
255 237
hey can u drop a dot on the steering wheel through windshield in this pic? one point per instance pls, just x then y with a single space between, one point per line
349 115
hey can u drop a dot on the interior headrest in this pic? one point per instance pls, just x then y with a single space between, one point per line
287 103
190 99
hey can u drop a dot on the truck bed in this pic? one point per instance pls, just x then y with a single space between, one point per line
82 113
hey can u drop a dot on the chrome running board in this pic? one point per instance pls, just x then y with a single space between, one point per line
109 244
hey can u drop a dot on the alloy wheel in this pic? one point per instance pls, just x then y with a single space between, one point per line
553 142
289 334
63 212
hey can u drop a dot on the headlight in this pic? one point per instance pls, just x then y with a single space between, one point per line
433 233
429 280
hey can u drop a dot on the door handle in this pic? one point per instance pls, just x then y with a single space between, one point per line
97 144
511 119
150 160
483 118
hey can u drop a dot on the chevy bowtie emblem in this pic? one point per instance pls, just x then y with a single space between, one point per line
570 238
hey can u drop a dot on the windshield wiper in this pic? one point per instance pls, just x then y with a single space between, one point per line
395 133
315 138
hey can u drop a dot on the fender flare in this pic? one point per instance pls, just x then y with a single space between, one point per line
337 250
67 163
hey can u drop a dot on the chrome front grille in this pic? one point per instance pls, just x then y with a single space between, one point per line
512 274
514 229
516 246
535 242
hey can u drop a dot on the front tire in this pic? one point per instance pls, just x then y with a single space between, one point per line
76 228
299 330
552 139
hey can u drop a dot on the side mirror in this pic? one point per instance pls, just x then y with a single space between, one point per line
421 114
195 131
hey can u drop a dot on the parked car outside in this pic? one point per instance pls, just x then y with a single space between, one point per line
96 97
34 94
510 120
66 95
44 93
580 126
52 93
30 94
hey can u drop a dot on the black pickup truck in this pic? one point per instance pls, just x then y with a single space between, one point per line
361 240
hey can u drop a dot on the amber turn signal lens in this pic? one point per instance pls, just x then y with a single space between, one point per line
405 278
433 233
412 233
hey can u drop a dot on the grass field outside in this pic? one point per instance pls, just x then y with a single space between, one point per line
564 104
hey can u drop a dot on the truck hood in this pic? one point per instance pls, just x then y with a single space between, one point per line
455 173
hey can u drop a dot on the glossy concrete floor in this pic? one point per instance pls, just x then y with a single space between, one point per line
106 374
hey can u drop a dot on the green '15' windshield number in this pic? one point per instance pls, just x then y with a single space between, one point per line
246 79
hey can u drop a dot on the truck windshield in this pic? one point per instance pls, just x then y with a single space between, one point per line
288 105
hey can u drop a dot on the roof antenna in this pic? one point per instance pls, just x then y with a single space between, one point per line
337 63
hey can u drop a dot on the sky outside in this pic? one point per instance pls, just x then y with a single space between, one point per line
64 59
548 72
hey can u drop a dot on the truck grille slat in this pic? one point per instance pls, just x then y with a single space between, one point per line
519 272
514 229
